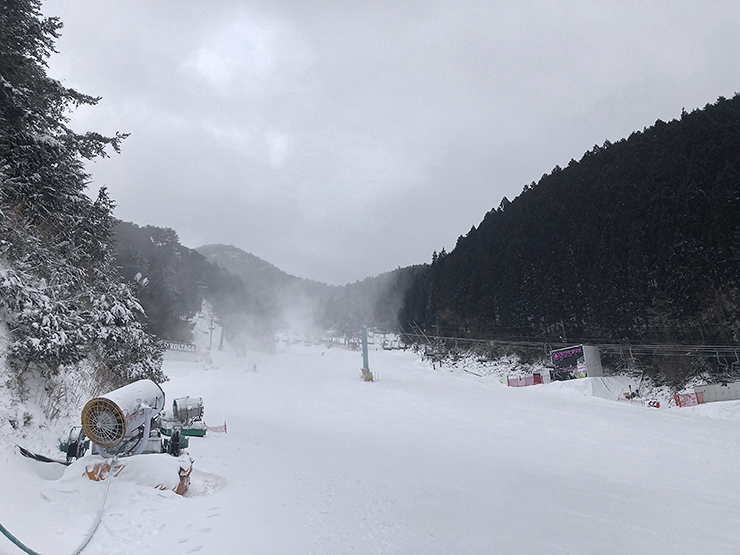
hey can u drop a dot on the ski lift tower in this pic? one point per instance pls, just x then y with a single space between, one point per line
366 374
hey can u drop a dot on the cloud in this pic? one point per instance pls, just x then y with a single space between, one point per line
240 50
339 140
278 147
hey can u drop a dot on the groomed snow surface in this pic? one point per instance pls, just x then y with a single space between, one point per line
423 461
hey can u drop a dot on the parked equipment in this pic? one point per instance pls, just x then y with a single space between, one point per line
129 421
120 421
187 416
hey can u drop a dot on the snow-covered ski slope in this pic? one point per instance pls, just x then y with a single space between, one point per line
316 461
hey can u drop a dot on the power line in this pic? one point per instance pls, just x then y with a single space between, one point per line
660 349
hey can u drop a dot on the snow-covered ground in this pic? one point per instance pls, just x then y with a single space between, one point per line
423 461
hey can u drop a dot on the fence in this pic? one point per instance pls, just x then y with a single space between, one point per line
719 351
688 399
524 381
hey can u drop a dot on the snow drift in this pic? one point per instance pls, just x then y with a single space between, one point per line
422 461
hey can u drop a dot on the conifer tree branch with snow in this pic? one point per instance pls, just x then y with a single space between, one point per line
60 294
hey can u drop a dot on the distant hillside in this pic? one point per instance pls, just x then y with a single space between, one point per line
634 242
274 287
306 305
248 266
171 282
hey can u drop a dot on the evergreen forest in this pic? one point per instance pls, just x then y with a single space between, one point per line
638 242
61 299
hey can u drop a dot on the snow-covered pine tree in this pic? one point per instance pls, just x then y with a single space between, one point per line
59 292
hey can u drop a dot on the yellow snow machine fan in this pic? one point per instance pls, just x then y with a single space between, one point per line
120 422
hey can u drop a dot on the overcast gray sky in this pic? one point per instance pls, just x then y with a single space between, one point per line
342 139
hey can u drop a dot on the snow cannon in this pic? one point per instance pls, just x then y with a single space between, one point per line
187 416
187 409
120 422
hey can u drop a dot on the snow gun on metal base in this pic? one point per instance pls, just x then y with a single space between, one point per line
131 421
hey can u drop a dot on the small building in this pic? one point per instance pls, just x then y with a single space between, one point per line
718 392
578 361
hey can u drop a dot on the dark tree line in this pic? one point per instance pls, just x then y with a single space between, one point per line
168 277
374 300
634 242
